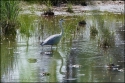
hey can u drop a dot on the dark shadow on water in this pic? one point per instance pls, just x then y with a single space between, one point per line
71 72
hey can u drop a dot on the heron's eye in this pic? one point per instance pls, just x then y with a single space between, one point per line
61 19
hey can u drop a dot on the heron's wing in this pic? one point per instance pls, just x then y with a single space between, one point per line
52 40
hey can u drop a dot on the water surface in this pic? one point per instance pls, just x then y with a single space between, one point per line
77 58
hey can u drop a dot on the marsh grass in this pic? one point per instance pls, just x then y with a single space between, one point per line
69 8
32 9
9 14
50 24
72 29
93 31
106 36
33 1
26 25
107 39
48 10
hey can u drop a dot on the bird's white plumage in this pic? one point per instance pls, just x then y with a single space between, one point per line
54 39
51 37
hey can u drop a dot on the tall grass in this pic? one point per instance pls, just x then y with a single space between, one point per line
69 8
9 13
56 2
48 9
106 37
33 1
27 25
93 31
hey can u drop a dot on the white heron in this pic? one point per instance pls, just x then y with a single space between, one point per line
54 39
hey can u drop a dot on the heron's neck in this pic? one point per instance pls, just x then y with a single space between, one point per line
61 33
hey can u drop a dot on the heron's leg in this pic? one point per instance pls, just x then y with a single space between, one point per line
42 48
51 47
51 50
56 47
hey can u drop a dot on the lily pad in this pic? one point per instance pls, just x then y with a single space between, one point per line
32 60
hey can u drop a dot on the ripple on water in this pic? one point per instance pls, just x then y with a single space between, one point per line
9 48
16 52
71 79
81 74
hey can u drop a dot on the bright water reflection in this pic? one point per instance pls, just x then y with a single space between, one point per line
78 57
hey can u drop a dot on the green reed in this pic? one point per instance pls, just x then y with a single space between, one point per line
49 6
106 36
9 14
27 25
93 31
69 8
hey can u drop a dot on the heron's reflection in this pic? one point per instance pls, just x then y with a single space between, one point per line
63 64
69 74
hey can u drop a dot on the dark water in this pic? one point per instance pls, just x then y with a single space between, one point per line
77 58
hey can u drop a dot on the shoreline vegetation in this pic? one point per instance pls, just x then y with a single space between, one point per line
10 10
78 8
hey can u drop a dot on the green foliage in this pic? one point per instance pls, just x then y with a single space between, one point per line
105 29
70 27
33 1
32 60
93 31
48 9
9 10
26 24
55 2
69 9
9 13
49 5
107 38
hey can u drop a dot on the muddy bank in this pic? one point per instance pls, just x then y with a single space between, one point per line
109 6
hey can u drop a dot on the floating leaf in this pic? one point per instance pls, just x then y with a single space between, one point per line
31 60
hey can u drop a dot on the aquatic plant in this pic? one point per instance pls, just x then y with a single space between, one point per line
70 28
107 39
33 1
83 3
93 31
82 23
69 8
26 24
48 10
32 9
32 60
105 33
9 13
57 2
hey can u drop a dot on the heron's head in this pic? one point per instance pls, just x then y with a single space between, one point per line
61 20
